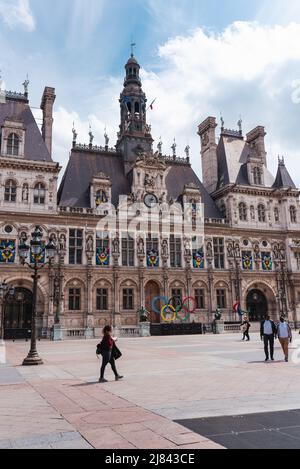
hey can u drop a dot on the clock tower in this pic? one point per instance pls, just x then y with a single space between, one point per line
134 137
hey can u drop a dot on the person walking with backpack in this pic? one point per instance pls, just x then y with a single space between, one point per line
268 332
109 351
285 336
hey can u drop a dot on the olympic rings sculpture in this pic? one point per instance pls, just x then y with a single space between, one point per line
175 308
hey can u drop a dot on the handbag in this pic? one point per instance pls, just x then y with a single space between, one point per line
99 349
116 353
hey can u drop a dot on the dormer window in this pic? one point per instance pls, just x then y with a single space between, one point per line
13 145
10 191
39 194
261 213
257 176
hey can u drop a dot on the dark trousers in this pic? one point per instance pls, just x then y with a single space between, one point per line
246 335
269 340
106 359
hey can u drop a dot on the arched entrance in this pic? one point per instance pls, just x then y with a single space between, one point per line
257 305
152 291
17 315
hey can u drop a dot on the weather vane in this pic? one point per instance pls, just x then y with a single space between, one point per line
132 45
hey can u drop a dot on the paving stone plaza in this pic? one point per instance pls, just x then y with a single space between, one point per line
174 389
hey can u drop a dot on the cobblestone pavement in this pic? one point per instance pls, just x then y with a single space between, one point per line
60 404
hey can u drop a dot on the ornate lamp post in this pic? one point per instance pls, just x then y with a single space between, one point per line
37 252
5 292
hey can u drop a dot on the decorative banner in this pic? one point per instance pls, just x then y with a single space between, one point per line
267 263
198 260
7 252
38 258
238 309
247 261
152 259
102 257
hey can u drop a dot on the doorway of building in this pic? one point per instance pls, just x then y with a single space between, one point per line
152 291
17 315
257 305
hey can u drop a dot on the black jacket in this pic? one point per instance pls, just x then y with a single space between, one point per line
274 328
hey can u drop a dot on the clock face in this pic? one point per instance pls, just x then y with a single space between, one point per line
150 200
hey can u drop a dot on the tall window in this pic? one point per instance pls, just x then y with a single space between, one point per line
219 250
177 293
200 298
152 245
128 299
74 299
39 194
10 191
102 242
293 213
243 212
13 145
127 251
261 213
175 252
221 299
257 176
75 247
102 299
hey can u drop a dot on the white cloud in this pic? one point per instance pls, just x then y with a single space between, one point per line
17 13
247 69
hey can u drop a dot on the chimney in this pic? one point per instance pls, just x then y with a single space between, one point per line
256 141
47 108
207 133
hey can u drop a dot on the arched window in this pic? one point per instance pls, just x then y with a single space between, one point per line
293 213
257 176
276 214
243 212
13 145
10 191
39 194
261 213
137 108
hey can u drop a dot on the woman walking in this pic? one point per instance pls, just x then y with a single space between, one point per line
109 352
245 328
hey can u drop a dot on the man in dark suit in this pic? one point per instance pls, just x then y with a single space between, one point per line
268 332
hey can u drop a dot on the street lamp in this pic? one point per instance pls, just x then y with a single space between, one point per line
37 252
282 290
5 292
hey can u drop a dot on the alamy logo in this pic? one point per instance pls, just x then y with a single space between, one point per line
2 352
296 353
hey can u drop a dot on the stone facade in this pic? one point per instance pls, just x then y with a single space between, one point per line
248 237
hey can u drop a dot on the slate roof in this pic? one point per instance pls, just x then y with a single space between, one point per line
283 179
232 156
35 147
83 166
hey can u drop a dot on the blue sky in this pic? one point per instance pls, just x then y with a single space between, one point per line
199 57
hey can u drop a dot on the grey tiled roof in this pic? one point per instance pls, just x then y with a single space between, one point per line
35 148
283 179
83 166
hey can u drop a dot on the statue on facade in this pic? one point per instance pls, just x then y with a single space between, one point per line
91 135
159 146
187 247
75 135
25 193
116 245
26 84
187 151
165 248
173 147
209 249
106 138
89 244
62 242
141 250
